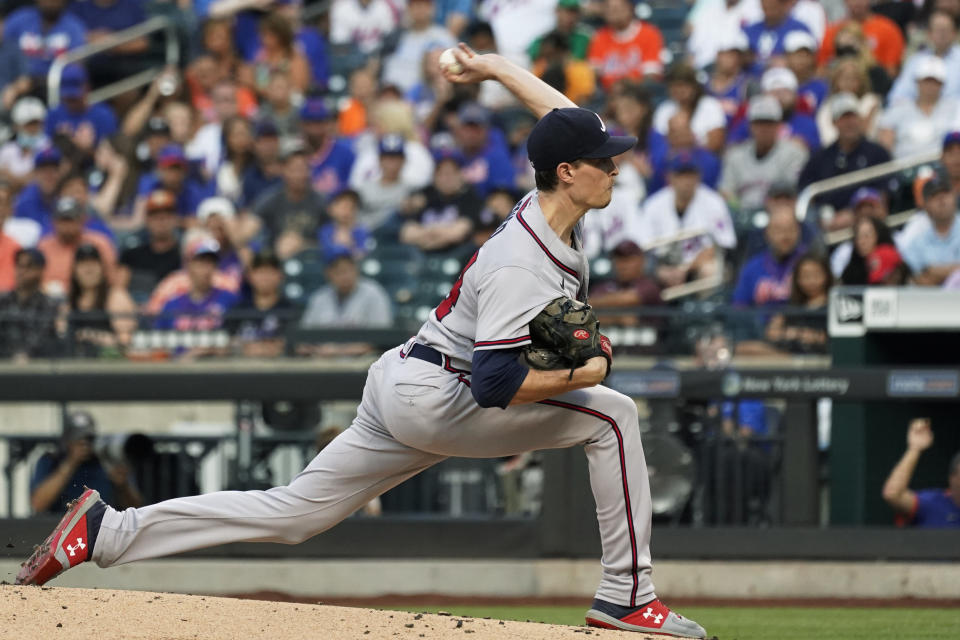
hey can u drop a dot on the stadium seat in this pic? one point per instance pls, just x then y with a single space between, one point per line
304 275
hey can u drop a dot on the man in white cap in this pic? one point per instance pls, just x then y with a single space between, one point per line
751 167
801 48
942 43
852 151
16 156
780 83
910 127
219 217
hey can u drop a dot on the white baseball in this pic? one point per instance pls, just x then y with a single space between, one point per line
449 63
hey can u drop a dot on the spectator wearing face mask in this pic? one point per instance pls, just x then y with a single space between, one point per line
16 156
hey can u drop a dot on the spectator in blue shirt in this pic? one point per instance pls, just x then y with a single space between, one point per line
331 158
84 124
766 278
729 83
767 37
203 306
343 233
486 157
103 18
927 508
36 201
801 49
311 42
680 138
934 252
41 33
173 174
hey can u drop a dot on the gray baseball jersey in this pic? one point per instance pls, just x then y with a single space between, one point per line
415 413
517 272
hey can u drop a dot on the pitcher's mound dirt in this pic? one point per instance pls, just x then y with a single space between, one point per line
45 613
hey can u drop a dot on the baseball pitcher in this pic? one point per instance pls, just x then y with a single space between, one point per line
510 361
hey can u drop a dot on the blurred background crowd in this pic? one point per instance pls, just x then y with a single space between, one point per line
305 163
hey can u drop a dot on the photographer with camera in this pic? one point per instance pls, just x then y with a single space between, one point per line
61 476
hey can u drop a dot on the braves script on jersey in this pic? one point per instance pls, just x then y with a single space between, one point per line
508 281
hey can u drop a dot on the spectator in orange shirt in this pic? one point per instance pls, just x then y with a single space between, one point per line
884 36
60 247
625 47
8 246
352 119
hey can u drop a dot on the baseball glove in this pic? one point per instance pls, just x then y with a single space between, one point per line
564 336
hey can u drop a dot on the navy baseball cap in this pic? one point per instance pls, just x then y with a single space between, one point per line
47 156
336 255
952 137
442 154
568 134
391 144
473 113
315 110
864 194
73 82
266 128
684 162
171 155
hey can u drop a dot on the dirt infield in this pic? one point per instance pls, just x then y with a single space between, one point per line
413 602
42 613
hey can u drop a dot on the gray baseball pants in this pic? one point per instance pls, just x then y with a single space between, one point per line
413 415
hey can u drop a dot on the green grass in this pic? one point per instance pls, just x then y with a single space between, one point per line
768 623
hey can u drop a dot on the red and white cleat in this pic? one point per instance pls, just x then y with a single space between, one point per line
70 543
653 618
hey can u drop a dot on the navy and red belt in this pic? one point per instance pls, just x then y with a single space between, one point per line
427 354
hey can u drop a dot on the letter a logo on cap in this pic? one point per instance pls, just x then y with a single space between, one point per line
603 127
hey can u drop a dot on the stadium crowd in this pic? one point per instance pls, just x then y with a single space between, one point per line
302 156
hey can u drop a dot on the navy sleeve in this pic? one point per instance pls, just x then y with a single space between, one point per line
497 374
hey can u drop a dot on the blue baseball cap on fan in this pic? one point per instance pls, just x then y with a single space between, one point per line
952 137
73 82
315 110
569 134
683 162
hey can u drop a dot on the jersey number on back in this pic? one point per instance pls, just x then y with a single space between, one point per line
445 307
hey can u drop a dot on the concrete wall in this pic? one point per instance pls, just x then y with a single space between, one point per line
536 578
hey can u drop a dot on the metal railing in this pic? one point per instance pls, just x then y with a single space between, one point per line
694 287
146 28
815 189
